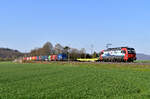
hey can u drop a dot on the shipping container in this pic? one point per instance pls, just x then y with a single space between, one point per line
46 58
49 57
25 58
42 58
54 57
28 58
37 58
33 58
61 57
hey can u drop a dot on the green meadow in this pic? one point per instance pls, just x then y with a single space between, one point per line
74 81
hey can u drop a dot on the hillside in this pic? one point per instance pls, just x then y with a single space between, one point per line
9 53
141 56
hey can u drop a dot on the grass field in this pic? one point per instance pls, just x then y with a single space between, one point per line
142 61
74 81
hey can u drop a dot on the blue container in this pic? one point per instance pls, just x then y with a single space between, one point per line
46 58
61 57
64 57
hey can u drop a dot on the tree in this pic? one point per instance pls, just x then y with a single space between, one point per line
83 53
33 52
74 54
47 49
58 49
95 55
66 51
36 52
88 56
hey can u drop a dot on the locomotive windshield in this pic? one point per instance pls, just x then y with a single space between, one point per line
131 50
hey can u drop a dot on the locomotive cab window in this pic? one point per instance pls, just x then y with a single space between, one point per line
123 51
131 51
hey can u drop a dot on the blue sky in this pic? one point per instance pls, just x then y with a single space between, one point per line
27 24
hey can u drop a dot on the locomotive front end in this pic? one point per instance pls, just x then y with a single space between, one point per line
131 54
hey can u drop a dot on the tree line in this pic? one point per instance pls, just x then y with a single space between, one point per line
72 53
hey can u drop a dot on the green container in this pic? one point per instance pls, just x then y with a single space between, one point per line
49 57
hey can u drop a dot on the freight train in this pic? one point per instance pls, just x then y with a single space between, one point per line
59 57
120 54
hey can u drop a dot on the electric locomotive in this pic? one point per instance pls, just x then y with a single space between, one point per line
120 54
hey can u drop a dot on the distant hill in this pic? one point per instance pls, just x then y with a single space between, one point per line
9 53
141 56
